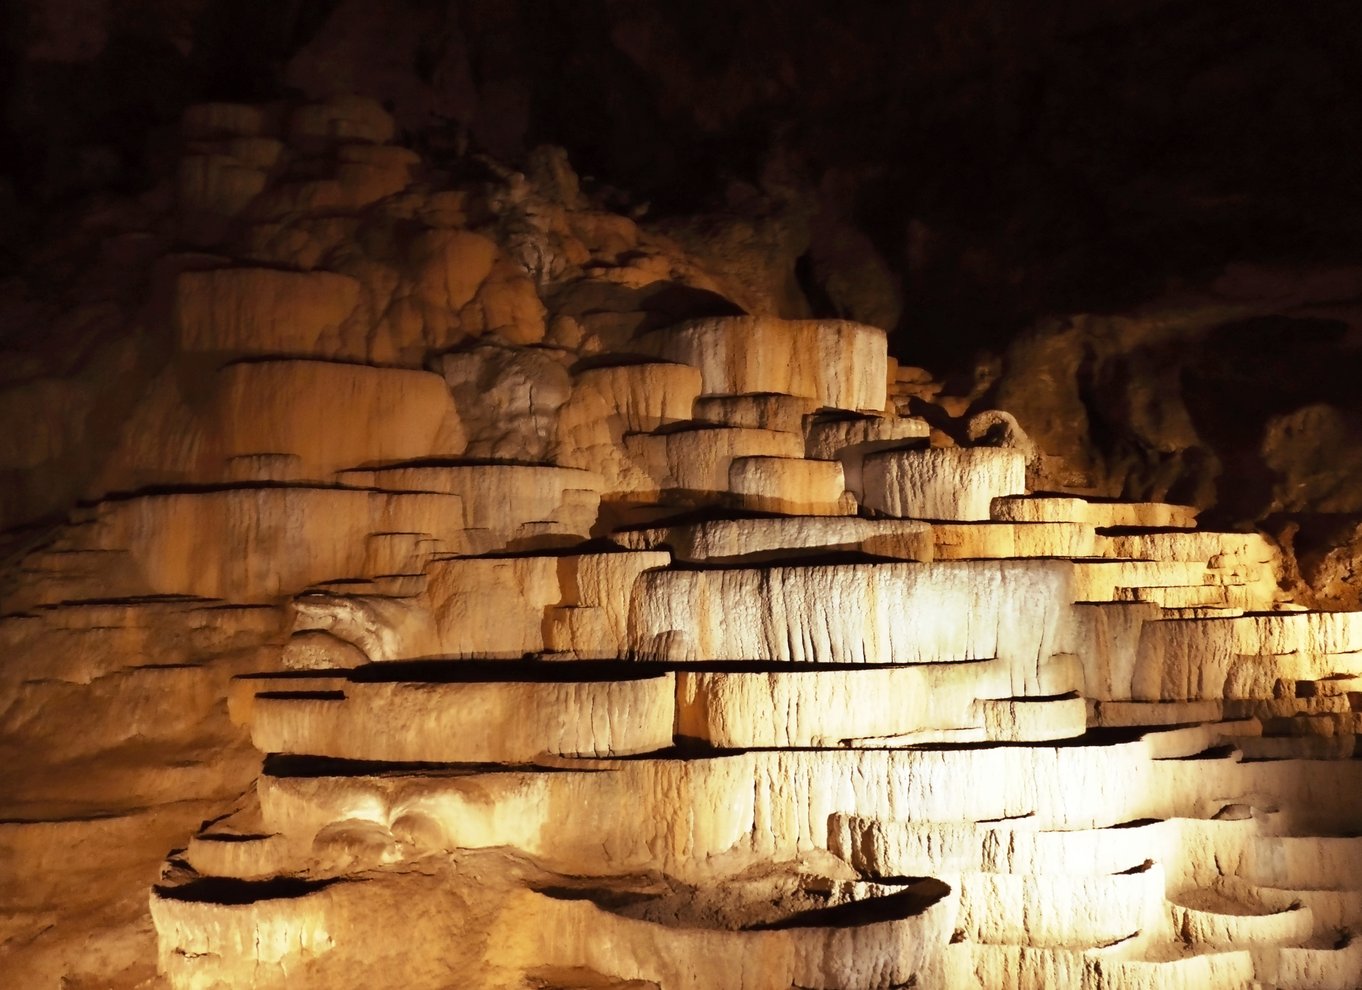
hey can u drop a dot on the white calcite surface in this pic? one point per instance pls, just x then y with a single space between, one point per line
865 707
856 613
943 483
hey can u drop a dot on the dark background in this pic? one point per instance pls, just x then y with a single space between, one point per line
1006 160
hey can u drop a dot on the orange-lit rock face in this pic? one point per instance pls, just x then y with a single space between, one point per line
418 632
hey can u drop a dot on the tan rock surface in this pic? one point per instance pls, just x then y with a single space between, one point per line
835 363
267 312
511 716
855 613
770 539
243 545
589 639
698 459
951 483
789 485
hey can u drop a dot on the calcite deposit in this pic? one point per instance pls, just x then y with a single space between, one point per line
421 628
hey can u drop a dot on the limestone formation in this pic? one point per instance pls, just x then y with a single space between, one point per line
834 363
951 483
441 615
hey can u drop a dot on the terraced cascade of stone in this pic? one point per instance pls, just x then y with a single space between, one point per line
714 747
684 662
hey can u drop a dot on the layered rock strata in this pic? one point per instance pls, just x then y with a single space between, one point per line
674 657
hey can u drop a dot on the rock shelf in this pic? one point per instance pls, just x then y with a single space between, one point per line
663 660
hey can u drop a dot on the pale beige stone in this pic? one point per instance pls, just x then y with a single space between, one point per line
835 363
791 486
1183 596
378 627
1121 713
499 606
873 706
758 412
1331 965
314 649
1126 758
773 539
1145 515
597 590
504 506
1220 549
78 643
1104 581
563 934
849 438
251 544
1106 639
1217 921
233 855
1241 657
1174 969
696 461
831 437
490 606
631 398
516 717
608 402
888 950
1308 862
757 806
857 613
1031 720
955 483
1311 797
980 540
1073 910
1193 852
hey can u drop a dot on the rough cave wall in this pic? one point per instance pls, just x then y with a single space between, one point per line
1112 195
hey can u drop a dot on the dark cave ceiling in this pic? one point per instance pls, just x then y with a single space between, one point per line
1005 160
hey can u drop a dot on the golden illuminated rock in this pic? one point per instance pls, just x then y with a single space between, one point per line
458 601
789 485
788 537
509 716
698 459
835 363
949 483
268 312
